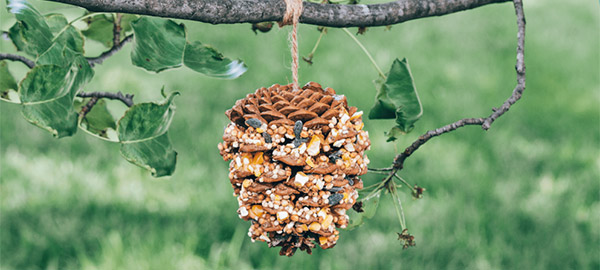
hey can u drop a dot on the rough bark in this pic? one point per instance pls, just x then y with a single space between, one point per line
253 11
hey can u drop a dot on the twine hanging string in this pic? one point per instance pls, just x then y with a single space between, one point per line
293 10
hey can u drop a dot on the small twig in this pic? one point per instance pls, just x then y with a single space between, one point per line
88 107
115 48
14 57
117 30
520 68
399 160
127 99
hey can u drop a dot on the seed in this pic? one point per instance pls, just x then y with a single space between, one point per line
327 222
314 145
335 199
300 179
356 115
247 183
335 156
297 128
310 162
344 118
243 211
335 189
350 181
282 216
258 158
254 122
323 240
267 137
257 210
315 227
349 147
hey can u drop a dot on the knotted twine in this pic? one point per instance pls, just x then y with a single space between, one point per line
293 10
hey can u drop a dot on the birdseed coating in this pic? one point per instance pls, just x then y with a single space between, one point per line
295 161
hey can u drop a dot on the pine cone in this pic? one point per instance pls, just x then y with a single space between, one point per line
295 161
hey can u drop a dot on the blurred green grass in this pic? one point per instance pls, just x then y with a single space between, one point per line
524 195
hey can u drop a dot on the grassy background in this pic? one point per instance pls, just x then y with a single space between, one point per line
524 195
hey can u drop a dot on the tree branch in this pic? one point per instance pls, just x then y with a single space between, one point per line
14 57
115 48
127 99
88 107
485 123
254 11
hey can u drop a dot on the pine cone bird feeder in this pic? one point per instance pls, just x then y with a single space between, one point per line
296 158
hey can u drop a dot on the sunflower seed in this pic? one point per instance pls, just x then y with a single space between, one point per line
335 156
298 128
254 122
350 180
335 198
335 189
267 137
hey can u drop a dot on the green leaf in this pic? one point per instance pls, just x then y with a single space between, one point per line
397 98
72 38
56 22
126 20
393 134
144 139
47 94
30 34
56 55
67 34
207 60
158 43
100 28
370 204
156 155
98 121
8 85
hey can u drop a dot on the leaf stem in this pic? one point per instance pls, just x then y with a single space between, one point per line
403 181
311 54
366 52
398 206
380 169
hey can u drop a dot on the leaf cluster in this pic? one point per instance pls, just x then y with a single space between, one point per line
48 94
